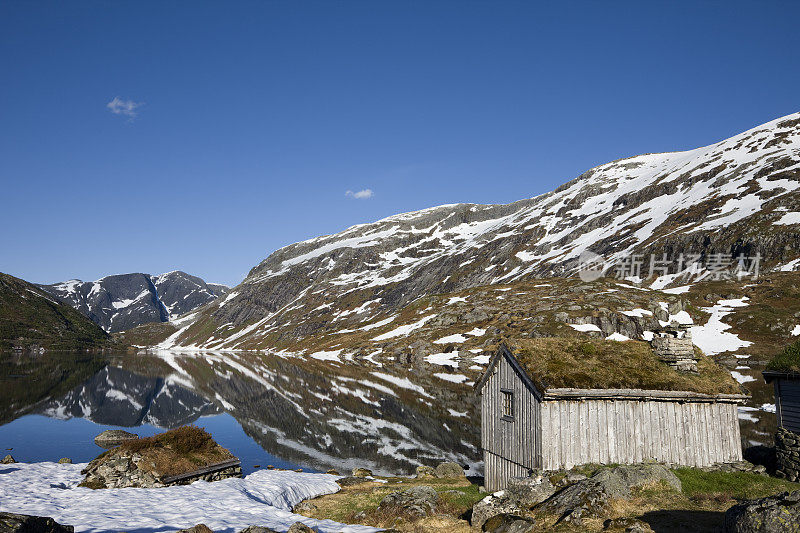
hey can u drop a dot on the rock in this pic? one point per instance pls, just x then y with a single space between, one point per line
299 527
495 504
199 528
415 502
590 496
629 525
333 472
530 491
361 472
509 523
304 507
65 461
449 470
22 523
8 460
425 472
257 529
772 514
113 437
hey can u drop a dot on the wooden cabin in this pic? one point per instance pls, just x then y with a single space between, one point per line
556 407
787 398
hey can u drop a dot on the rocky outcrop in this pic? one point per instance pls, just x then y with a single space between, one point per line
521 494
21 523
426 472
199 528
361 472
113 437
449 470
590 497
774 514
8 460
415 502
509 523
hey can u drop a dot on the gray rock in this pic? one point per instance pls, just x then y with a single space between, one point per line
8 460
65 461
590 497
349 481
113 437
299 527
425 472
304 507
257 529
773 514
22 523
495 504
530 491
449 470
509 523
627 524
416 502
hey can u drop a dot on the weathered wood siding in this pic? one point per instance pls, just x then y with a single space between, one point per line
787 404
510 447
575 432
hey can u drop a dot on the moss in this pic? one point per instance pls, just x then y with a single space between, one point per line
738 485
788 360
603 364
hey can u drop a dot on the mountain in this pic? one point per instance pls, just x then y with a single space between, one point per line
737 197
31 318
125 301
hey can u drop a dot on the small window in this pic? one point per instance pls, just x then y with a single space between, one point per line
508 404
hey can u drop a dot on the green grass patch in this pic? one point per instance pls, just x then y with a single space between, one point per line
788 360
738 485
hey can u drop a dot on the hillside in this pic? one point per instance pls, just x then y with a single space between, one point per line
736 197
29 317
124 301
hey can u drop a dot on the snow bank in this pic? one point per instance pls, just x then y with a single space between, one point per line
712 337
264 498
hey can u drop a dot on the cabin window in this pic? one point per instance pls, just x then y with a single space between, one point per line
508 404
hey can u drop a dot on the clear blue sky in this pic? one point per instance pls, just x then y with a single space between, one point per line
255 118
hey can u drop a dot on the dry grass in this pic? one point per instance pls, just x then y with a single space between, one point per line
177 451
602 364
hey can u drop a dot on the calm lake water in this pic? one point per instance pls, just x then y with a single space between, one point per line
265 409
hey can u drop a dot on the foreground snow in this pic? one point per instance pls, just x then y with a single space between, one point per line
264 498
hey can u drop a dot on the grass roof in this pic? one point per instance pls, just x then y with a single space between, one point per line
788 360
603 364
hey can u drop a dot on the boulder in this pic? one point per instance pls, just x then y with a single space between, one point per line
495 504
590 497
113 437
449 470
65 461
772 514
349 481
199 528
22 523
257 529
425 472
299 527
415 502
509 523
530 491
8 460
361 472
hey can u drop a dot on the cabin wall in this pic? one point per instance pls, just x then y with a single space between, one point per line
510 447
787 404
575 432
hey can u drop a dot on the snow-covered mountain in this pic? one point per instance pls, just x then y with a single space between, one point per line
124 301
739 196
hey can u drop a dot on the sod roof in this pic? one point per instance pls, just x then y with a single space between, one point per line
788 360
554 363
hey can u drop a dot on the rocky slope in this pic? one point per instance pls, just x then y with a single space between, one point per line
121 302
30 318
702 207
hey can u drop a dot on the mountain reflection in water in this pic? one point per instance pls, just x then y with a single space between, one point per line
300 412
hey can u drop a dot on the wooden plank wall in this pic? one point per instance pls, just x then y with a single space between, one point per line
787 399
510 447
575 432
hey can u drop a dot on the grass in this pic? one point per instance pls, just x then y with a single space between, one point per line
788 360
599 364
733 485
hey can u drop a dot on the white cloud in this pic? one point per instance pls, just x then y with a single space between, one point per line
360 195
118 106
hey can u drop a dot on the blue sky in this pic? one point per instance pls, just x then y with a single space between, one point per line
202 136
